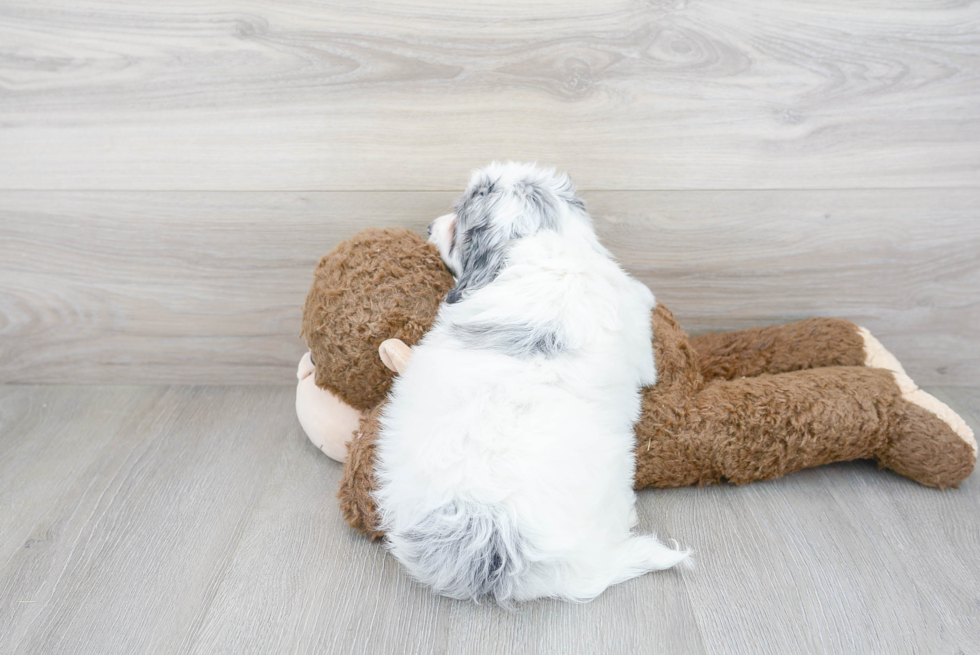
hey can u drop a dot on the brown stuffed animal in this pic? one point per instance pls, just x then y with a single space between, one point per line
738 407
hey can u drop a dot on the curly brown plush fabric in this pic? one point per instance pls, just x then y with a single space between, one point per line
811 343
380 284
922 447
738 407
772 403
693 432
701 427
765 427
357 484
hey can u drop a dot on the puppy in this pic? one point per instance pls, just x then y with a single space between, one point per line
505 458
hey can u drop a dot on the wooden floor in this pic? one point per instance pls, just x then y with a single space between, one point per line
174 519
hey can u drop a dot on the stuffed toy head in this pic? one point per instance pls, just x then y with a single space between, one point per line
380 284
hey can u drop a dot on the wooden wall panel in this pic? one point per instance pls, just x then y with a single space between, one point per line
207 287
291 95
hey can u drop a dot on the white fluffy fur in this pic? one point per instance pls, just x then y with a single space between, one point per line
505 461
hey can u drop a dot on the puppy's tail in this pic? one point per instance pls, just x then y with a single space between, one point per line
644 553
464 549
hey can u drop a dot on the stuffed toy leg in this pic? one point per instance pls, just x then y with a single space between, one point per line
753 405
761 403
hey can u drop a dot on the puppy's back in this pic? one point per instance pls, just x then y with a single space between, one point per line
464 549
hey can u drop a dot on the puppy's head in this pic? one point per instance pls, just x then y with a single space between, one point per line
502 203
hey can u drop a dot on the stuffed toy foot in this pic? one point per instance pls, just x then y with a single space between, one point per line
931 443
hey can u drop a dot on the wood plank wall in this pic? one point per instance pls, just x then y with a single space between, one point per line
170 173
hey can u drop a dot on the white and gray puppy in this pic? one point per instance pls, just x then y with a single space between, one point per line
505 460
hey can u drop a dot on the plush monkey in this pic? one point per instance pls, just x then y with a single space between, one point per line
731 407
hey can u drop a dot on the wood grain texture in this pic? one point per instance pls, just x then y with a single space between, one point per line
700 94
338 593
208 287
857 560
904 264
200 519
35 446
128 555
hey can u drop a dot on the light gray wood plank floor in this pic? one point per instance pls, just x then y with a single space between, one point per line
199 519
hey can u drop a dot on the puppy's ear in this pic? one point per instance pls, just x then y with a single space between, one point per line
540 207
482 261
542 202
